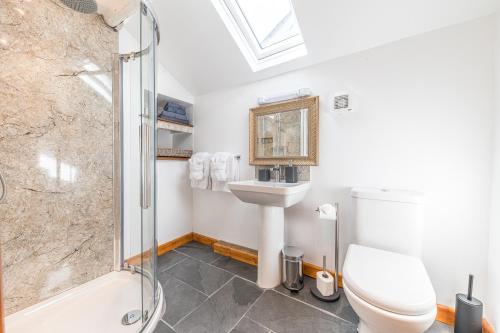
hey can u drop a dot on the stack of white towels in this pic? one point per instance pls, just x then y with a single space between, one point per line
213 171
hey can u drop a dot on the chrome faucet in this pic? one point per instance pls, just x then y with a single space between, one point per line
277 173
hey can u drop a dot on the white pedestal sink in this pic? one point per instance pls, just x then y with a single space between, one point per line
273 198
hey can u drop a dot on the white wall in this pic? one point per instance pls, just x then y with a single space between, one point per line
175 198
424 123
493 299
174 201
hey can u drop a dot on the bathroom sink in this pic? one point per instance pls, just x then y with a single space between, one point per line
272 199
269 193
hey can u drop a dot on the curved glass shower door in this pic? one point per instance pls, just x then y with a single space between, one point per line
148 43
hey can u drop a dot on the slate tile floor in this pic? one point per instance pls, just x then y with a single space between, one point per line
206 292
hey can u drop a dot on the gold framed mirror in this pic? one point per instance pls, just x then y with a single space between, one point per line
285 132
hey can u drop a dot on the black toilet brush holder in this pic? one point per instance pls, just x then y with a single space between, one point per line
468 312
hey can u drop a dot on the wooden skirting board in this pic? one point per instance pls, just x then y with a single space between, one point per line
445 314
236 252
178 242
163 248
204 239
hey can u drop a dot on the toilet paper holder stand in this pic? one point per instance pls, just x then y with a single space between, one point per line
336 293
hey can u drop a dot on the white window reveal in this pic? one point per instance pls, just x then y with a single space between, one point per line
267 32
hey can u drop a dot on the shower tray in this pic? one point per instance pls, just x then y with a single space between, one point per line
96 306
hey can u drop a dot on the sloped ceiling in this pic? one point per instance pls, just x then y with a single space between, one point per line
201 54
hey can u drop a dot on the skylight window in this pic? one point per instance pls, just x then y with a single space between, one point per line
271 21
267 32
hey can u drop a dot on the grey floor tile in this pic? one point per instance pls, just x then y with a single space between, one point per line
180 298
340 308
169 259
239 268
439 327
201 276
247 325
161 327
199 251
283 314
223 310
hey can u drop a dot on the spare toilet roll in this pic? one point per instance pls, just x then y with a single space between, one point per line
327 212
325 283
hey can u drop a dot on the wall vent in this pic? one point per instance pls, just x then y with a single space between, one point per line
342 102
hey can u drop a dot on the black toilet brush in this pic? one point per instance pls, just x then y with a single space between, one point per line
468 312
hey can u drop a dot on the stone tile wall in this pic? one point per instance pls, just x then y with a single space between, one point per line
56 225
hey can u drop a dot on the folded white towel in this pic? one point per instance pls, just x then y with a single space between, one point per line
199 170
196 171
224 168
219 170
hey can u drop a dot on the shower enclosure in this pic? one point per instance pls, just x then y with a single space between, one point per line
144 109
141 112
93 197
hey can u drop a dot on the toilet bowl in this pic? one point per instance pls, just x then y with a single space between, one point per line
390 292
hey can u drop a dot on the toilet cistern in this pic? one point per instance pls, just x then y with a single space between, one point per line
272 198
388 239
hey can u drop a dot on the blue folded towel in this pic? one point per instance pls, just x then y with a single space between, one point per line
174 104
175 110
174 117
174 107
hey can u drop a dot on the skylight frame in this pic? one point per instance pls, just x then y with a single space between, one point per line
258 58
251 38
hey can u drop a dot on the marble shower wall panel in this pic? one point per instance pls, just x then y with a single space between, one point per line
55 149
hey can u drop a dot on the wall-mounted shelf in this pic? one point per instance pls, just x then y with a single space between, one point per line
175 140
172 158
174 152
174 127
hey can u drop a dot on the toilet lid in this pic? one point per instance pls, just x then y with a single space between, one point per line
388 280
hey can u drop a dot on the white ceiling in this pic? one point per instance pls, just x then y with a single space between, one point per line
201 54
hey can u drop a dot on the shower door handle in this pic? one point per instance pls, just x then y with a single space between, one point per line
148 166
145 134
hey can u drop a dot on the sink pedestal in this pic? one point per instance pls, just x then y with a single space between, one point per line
272 198
271 241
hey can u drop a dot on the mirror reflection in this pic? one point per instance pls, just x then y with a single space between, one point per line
285 132
282 134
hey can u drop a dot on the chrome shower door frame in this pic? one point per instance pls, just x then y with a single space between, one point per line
146 201
117 75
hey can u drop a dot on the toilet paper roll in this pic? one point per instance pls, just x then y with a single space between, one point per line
324 284
327 212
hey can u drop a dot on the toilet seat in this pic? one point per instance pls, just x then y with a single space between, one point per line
389 281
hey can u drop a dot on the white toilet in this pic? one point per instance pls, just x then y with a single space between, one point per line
383 277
